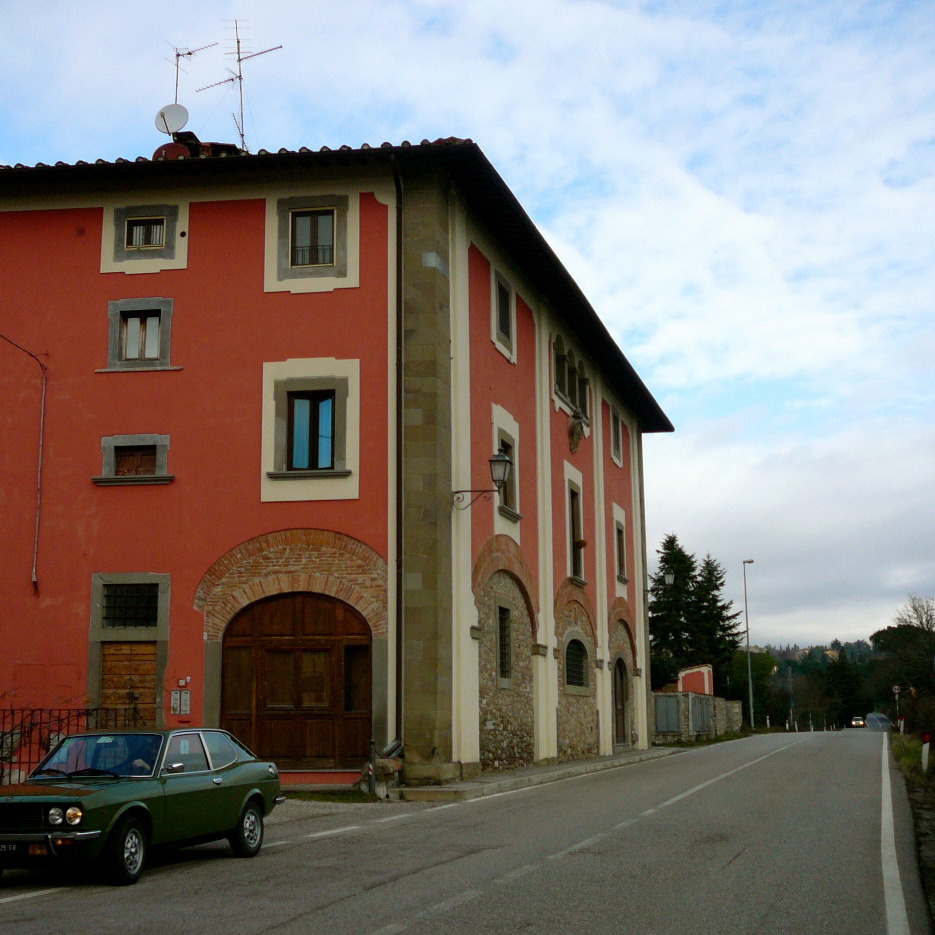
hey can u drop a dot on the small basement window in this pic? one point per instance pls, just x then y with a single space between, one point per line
134 459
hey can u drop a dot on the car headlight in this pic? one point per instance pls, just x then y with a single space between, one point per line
56 816
74 815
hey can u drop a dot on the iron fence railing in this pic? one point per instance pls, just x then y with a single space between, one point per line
27 734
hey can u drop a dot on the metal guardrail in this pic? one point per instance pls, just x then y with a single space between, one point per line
27 734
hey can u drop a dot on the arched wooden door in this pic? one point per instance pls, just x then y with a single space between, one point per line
621 734
296 681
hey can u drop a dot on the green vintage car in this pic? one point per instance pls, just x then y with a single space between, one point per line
110 796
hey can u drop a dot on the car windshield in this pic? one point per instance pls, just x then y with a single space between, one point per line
102 755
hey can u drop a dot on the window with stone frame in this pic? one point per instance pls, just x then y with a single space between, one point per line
139 333
312 237
134 459
145 232
130 604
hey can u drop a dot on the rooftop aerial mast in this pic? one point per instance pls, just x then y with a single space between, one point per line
238 78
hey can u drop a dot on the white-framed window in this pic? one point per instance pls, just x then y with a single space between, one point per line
620 551
139 334
559 366
503 315
134 459
576 541
570 379
144 238
311 445
506 438
312 234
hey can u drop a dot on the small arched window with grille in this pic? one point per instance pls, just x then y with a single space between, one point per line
576 664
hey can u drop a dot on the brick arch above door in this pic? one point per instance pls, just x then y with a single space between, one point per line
316 560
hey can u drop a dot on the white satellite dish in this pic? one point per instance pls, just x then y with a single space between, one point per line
171 119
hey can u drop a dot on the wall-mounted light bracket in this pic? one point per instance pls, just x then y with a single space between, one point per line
500 469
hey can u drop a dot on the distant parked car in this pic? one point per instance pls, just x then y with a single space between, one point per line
110 796
878 722
857 722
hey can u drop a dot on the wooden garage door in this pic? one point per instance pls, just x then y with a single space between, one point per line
296 681
128 679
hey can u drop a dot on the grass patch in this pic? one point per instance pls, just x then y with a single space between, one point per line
907 751
338 795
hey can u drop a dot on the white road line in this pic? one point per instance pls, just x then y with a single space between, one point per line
897 922
391 929
577 847
378 821
33 895
730 772
275 844
515 874
454 902
333 831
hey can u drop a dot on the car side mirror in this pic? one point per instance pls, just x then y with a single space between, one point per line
174 768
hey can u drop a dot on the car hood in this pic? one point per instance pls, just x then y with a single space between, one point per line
44 790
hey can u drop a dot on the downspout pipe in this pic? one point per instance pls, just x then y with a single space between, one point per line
400 501
45 380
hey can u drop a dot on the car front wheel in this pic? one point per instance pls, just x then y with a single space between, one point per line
247 838
126 852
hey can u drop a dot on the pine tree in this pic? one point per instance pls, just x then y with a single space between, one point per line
715 628
670 607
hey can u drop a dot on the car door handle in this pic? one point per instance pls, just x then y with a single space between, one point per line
217 781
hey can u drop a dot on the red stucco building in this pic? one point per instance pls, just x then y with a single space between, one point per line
240 393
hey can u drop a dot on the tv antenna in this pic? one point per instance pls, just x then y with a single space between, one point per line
238 78
186 53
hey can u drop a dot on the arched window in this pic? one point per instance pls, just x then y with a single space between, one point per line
576 664
581 396
561 375
572 377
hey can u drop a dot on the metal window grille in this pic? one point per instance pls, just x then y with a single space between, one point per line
504 642
145 232
576 658
130 605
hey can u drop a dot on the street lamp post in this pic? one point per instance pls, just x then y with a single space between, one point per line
746 617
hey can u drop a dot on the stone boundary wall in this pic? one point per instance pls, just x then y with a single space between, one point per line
725 718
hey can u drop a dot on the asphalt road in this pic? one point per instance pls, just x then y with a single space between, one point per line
780 833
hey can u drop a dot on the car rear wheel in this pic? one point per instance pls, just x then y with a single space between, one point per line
247 838
126 853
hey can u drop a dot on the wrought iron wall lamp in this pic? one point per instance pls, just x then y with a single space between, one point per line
500 469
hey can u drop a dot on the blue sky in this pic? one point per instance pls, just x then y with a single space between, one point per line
745 190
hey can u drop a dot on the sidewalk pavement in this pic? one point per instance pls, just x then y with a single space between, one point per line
509 780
